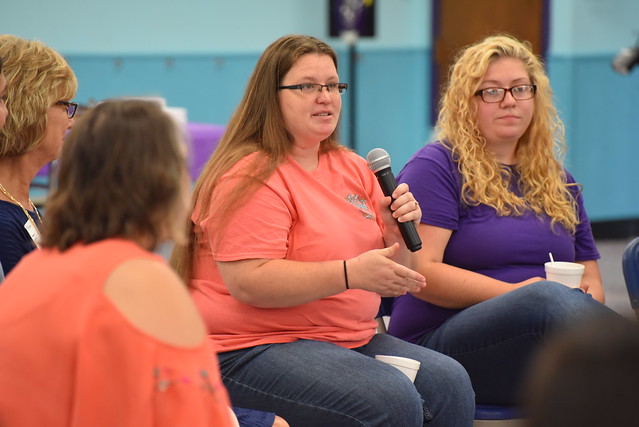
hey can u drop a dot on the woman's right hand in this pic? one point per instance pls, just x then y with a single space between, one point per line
375 271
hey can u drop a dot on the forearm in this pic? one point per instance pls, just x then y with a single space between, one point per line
591 281
453 287
285 283
282 283
404 256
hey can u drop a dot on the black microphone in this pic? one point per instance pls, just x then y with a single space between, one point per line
379 162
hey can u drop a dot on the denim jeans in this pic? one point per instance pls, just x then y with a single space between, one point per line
312 383
496 340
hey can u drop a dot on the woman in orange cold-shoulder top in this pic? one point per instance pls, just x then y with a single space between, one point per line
95 329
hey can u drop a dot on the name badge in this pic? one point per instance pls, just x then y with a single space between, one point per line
33 232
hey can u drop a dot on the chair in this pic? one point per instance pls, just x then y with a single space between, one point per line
498 416
385 308
485 415
630 266
204 140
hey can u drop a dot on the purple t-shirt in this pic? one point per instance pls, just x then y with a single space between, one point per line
507 248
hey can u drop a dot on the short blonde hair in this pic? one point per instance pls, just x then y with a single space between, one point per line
37 77
540 150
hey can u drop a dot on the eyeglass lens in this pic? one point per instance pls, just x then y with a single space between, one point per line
71 109
317 87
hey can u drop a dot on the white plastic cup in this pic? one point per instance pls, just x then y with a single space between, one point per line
408 366
566 273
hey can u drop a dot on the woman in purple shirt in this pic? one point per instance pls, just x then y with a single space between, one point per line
496 200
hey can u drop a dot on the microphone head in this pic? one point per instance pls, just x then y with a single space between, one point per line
378 159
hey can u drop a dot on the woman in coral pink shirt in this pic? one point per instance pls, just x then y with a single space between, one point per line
291 245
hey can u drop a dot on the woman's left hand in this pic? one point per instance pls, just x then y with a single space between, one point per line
403 209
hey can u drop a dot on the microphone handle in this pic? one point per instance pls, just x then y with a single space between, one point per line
388 183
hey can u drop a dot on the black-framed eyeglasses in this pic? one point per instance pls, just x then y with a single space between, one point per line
497 94
311 88
71 107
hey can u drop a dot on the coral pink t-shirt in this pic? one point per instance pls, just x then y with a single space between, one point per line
70 358
330 213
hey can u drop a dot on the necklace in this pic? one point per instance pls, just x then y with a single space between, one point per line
35 239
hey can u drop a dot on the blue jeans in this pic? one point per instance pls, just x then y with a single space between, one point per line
312 383
496 340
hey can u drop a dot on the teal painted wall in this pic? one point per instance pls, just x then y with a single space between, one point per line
197 26
392 111
601 112
199 54
600 108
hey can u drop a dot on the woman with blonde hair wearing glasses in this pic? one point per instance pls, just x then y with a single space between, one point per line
496 200
39 86
291 245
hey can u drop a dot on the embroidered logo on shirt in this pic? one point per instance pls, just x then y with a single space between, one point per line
166 377
360 203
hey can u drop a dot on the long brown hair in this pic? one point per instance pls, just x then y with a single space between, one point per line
257 126
122 173
540 150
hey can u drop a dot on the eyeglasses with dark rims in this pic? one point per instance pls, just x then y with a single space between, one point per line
71 107
311 88
497 94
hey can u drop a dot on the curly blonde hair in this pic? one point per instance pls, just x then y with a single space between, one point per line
540 151
37 77
257 126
